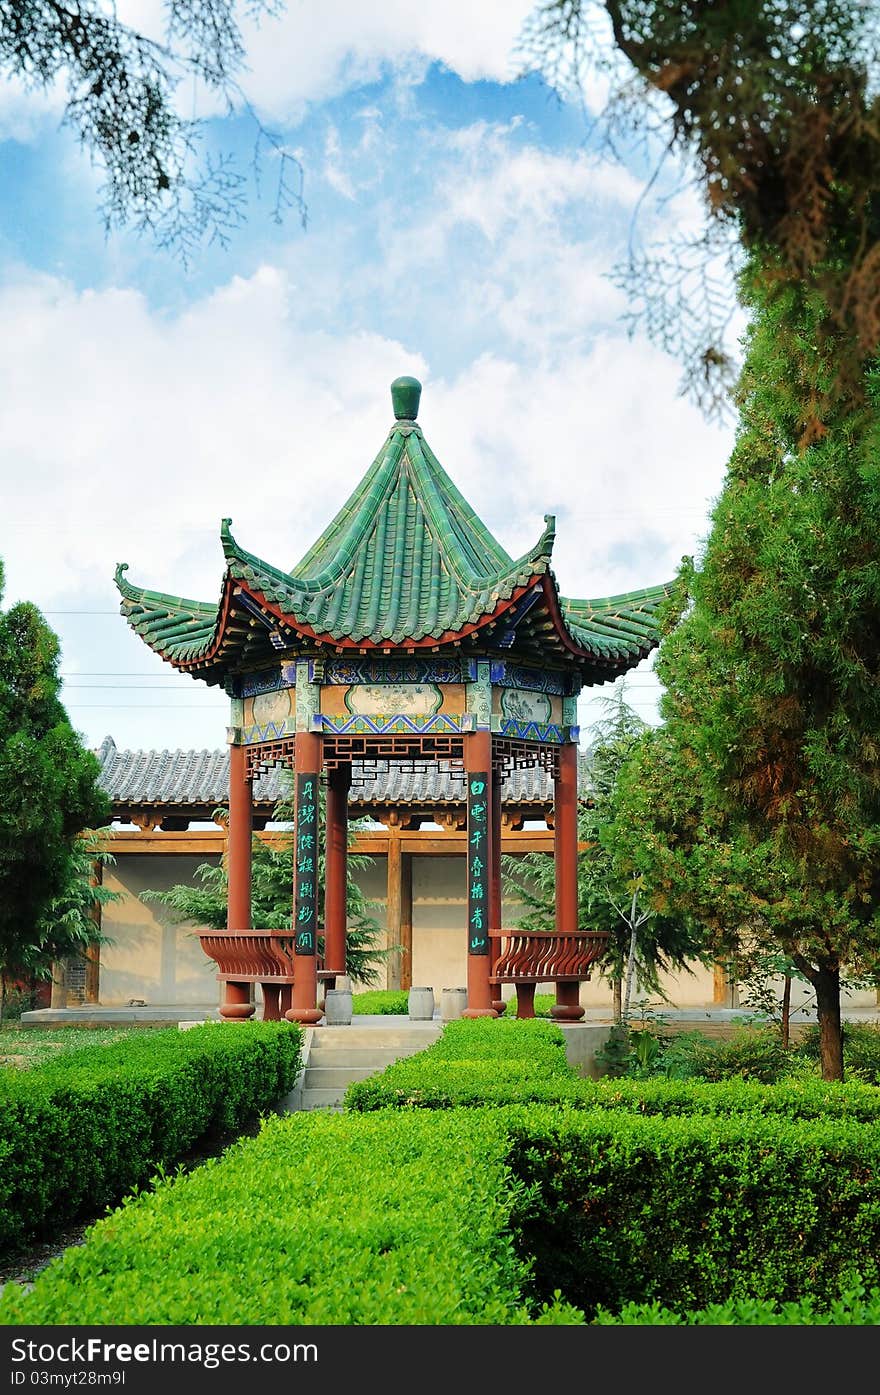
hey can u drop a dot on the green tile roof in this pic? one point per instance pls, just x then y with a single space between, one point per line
178 629
618 626
405 560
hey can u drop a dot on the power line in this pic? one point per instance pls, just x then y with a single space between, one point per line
117 687
111 673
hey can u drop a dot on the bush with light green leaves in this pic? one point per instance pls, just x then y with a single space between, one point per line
500 1216
475 1062
80 1131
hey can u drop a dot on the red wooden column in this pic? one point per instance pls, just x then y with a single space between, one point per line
237 997
478 780
336 868
307 768
567 1006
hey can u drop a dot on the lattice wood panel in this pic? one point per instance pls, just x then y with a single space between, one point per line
360 750
267 754
510 754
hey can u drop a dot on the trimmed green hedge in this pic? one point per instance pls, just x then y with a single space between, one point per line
323 1219
694 1210
475 1061
381 1002
80 1131
797 1098
854 1308
481 1216
501 1039
485 1062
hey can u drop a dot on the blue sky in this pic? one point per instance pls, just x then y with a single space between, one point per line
461 227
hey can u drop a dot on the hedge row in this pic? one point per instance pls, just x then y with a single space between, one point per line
483 1216
688 1211
381 1002
474 1062
482 1062
81 1131
322 1219
797 1098
854 1308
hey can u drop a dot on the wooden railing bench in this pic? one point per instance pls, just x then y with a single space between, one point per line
527 958
265 957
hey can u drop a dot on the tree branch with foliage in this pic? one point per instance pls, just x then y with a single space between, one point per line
120 88
772 107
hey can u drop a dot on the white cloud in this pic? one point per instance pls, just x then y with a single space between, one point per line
311 52
498 183
129 435
315 52
25 111
519 237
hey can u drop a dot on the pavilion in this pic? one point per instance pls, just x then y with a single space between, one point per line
406 635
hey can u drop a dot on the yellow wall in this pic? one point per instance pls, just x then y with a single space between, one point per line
154 958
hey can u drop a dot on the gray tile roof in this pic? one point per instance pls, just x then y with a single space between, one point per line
186 779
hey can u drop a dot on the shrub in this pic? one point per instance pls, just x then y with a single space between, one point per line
500 1216
500 1038
695 1210
475 1061
796 1099
861 1049
381 1002
80 1131
750 1054
322 1219
482 1062
853 1308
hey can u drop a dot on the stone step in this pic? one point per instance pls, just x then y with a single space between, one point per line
334 1077
413 1038
372 1058
322 1099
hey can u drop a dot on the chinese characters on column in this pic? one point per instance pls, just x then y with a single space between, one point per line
478 863
305 867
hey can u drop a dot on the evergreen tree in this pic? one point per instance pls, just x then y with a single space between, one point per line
50 791
759 804
607 878
205 903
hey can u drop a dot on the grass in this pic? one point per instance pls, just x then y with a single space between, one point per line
21 1048
543 1004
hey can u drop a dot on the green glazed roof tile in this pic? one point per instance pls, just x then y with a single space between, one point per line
176 628
620 627
404 559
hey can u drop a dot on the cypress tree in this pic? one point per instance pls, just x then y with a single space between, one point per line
761 798
50 791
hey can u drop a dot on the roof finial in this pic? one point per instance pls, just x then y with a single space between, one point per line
405 394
